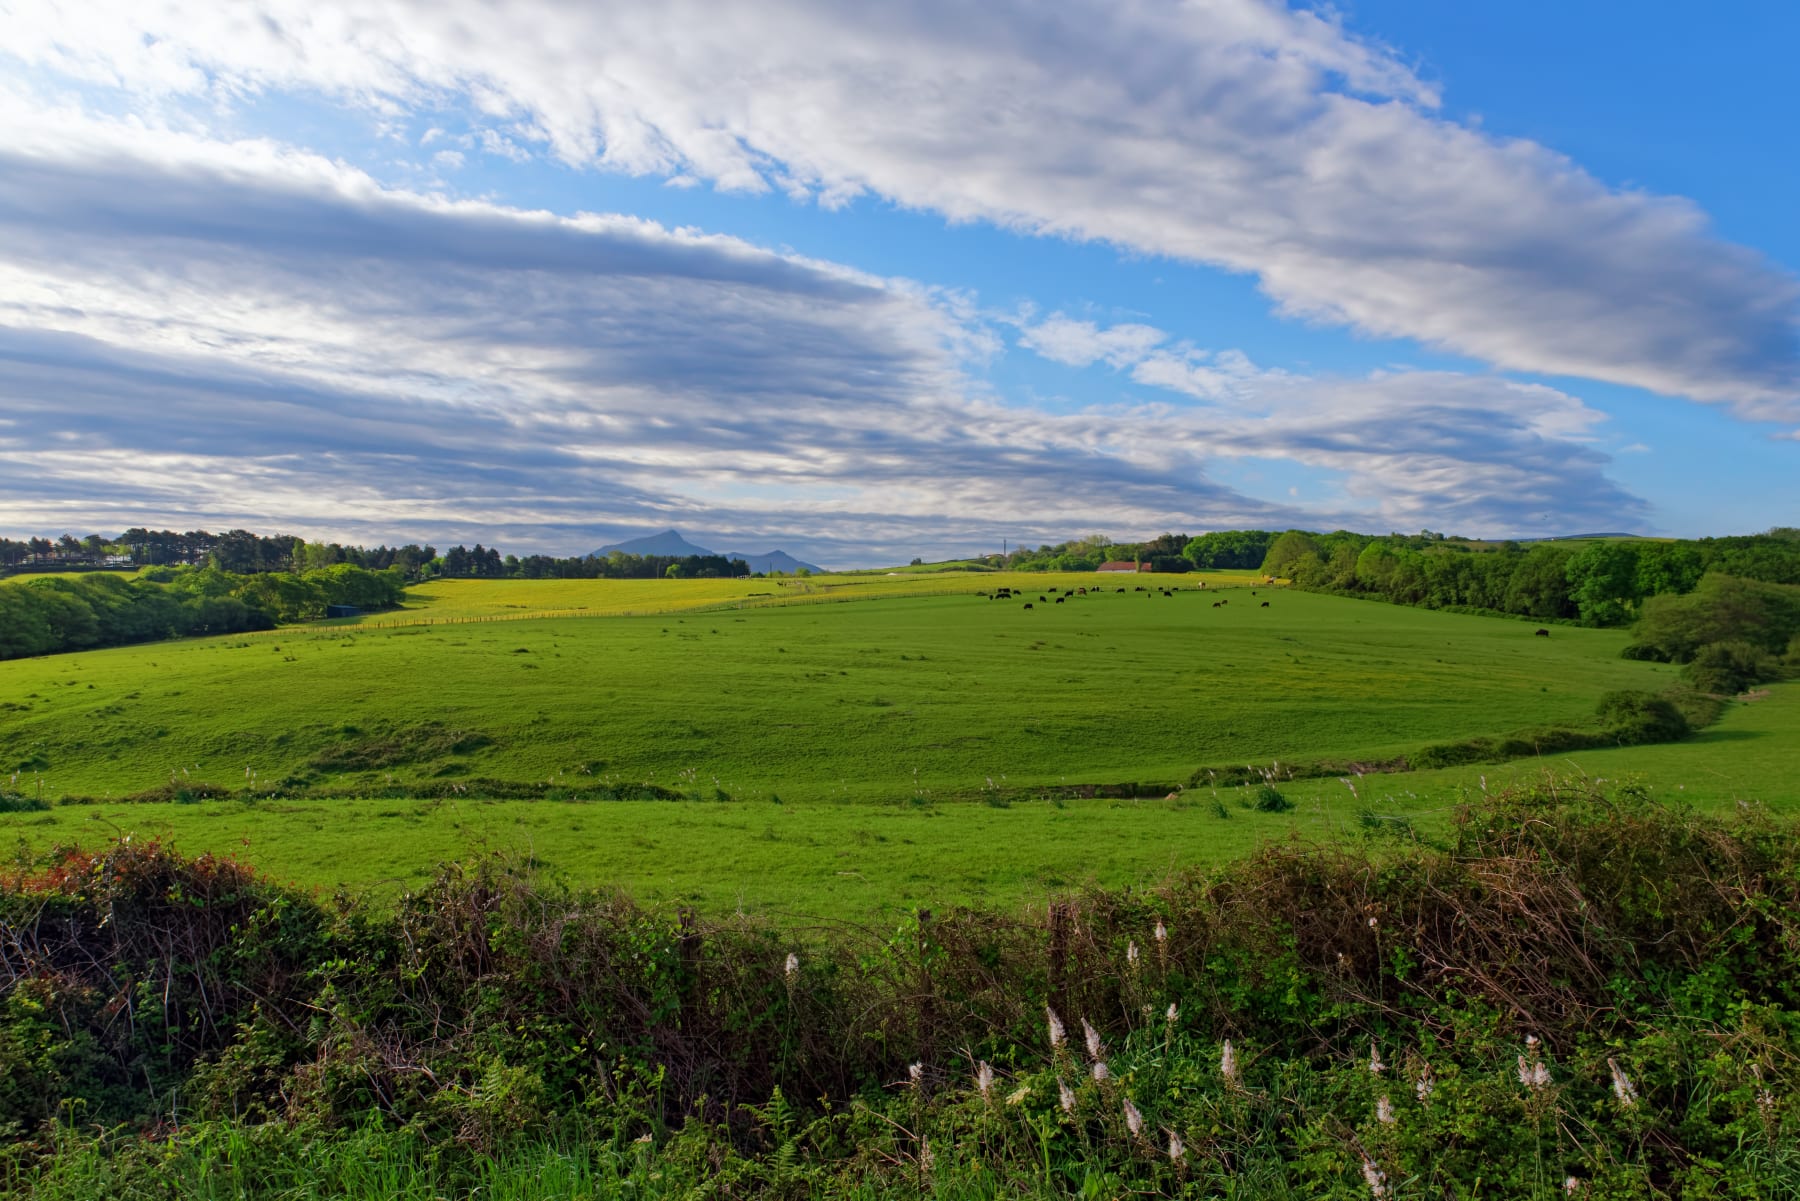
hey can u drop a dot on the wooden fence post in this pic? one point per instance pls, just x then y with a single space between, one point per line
688 942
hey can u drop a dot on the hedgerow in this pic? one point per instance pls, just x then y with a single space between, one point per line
1581 992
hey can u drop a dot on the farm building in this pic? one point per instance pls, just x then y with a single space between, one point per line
1116 565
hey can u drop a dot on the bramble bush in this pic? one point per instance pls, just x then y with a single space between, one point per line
1580 985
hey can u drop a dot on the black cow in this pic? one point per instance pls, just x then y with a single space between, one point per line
1028 604
1543 633
1265 604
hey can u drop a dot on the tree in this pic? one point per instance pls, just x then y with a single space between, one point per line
1668 567
1286 551
1540 584
1603 582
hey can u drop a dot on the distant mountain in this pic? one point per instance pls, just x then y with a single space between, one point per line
671 543
775 560
666 543
1574 537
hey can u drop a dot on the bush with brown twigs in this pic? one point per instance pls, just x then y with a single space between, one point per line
1272 1017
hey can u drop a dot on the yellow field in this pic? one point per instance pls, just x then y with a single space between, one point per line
488 600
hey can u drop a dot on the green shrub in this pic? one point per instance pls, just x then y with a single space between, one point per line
18 802
1637 717
1725 668
1266 798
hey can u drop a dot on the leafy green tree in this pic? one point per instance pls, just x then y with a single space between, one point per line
1539 586
1603 582
1287 550
1240 550
1721 609
1664 567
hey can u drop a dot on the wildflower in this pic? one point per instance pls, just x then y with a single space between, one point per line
1571 1185
1018 1095
925 1157
984 1078
1376 1067
1531 1042
1532 1072
1058 1035
1384 1112
1765 1101
642 1138
1162 931
1425 1085
915 1072
1093 1038
1621 1084
1374 923
1131 953
1174 1014
1228 1064
1376 1178
792 967
1134 1121
1065 1095
1177 1148
1101 1071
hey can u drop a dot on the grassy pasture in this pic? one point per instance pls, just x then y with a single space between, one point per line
935 696
838 860
856 742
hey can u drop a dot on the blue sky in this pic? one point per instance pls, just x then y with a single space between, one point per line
874 283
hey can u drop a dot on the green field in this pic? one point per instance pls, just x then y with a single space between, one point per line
845 757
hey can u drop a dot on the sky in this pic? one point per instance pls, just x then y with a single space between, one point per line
876 282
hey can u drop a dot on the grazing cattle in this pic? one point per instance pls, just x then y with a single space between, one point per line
1216 604
1043 598
1028 604
1252 592
1542 633
1061 599
1118 589
1265 604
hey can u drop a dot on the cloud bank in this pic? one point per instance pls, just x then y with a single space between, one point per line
1236 133
203 333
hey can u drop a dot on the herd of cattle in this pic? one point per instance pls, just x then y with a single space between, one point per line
1050 595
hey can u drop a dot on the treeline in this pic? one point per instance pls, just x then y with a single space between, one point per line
487 563
243 552
1601 582
1598 583
239 552
73 613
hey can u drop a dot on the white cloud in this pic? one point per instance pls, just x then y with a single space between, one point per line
201 333
1082 343
1238 133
